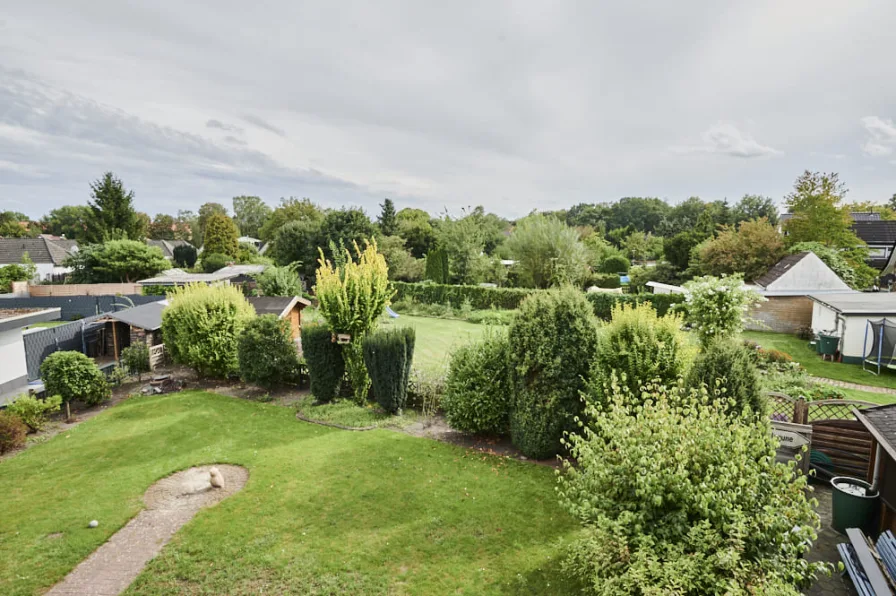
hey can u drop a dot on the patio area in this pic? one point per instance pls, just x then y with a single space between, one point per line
825 549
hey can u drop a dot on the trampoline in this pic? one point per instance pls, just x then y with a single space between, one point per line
882 351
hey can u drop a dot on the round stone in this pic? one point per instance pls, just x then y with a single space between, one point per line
93 523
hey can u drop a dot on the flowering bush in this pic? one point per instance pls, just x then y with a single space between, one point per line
677 497
717 306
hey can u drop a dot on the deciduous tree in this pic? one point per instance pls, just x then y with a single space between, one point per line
250 213
818 215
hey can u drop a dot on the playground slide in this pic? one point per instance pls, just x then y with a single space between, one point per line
391 313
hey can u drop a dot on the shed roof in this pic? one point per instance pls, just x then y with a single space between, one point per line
780 268
859 303
241 269
146 316
276 305
881 423
167 246
186 278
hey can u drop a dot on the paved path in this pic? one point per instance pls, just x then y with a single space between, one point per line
845 385
170 503
825 549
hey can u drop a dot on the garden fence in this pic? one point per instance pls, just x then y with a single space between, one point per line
40 343
78 307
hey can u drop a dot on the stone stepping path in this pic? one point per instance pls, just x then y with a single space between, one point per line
170 503
847 385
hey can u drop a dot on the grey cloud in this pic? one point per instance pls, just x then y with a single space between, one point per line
223 126
881 136
256 121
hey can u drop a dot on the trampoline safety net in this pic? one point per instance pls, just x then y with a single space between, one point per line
880 345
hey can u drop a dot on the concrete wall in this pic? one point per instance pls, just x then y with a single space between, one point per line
14 370
783 314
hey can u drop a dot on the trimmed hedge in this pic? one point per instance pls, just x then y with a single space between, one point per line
266 353
478 394
437 266
388 355
324 359
511 298
155 290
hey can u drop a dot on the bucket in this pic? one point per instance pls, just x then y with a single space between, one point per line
853 504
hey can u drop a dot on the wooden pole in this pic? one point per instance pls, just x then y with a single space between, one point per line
115 339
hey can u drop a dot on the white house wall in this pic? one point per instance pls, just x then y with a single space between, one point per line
823 318
852 342
13 370
809 274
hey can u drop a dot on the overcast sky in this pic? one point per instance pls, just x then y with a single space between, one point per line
513 105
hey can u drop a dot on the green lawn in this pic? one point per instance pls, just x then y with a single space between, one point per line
47 324
814 365
437 338
324 511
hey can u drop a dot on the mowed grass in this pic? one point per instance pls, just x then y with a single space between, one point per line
437 338
814 365
324 511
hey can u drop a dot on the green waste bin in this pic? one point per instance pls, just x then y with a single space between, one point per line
853 504
827 344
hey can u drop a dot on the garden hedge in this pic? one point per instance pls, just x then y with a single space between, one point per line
510 298
324 360
388 355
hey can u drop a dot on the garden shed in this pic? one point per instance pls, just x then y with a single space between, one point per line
786 288
136 325
881 423
847 315
284 307
14 368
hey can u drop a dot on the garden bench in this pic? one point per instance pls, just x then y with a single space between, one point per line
863 559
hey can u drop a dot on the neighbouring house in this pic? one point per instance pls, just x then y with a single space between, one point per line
13 366
661 288
250 240
787 287
243 275
167 246
140 324
846 316
46 252
285 307
880 236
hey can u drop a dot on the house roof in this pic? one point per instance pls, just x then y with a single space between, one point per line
179 279
241 269
276 305
876 232
45 251
780 268
146 316
859 303
881 423
855 215
167 246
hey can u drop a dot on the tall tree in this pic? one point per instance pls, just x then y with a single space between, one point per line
115 261
464 241
296 244
416 227
112 214
186 224
386 220
755 207
343 228
638 213
162 227
16 225
221 236
70 221
291 209
818 215
206 212
751 250
585 214
250 213
548 252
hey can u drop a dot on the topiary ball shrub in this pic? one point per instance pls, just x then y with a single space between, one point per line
12 432
728 371
477 390
552 342
213 261
202 325
33 411
74 377
323 357
388 355
615 264
267 354
637 347
135 358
